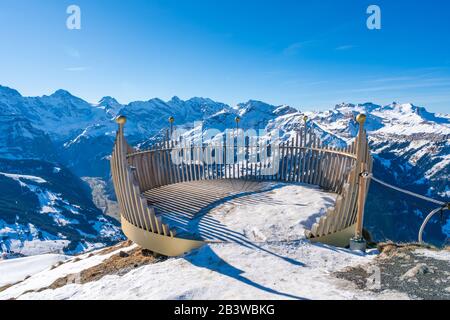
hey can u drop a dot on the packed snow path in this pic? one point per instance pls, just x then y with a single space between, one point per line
240 210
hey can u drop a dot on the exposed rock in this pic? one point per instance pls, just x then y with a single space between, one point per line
404 268
419 269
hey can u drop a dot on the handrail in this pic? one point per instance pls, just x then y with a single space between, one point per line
347 154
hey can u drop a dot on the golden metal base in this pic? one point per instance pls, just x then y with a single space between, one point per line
337 239
165 245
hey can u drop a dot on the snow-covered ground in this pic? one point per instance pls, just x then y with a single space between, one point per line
268 259
15 270
281 213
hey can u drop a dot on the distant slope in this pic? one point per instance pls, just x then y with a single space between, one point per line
44 208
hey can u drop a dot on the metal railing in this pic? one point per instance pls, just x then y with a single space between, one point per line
302 159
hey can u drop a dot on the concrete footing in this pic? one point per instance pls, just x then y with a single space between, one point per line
358 244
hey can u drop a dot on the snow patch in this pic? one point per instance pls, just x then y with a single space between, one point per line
20 177
15 270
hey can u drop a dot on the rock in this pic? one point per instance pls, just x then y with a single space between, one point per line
412 273
123 254
401 255
147 253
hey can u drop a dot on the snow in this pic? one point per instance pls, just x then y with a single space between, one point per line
15 270
28 240
443 255
444 162
407 119
225 271
30 247
394 119
445 193
47 199
267 258
47 277
281 214
20 177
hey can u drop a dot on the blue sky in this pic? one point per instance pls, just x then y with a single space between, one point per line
309 54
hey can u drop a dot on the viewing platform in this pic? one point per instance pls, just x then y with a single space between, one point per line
166 193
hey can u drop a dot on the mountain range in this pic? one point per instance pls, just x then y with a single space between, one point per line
49 143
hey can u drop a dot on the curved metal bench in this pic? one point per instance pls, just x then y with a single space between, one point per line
139 179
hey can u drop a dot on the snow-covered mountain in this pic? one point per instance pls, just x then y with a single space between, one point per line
409 143
19 139
48 113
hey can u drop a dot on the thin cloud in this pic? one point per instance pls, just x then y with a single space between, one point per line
345 47
318 82
76 69
401 87
425 75
396 79
72 52
295 47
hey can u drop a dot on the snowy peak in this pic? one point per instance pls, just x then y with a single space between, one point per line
108 101
65 97
48 113
255 105
6 92
60 93
408 119
110 105
394 118
175 100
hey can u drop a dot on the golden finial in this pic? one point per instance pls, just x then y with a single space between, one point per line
237 119
361 118
171 119
121 120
